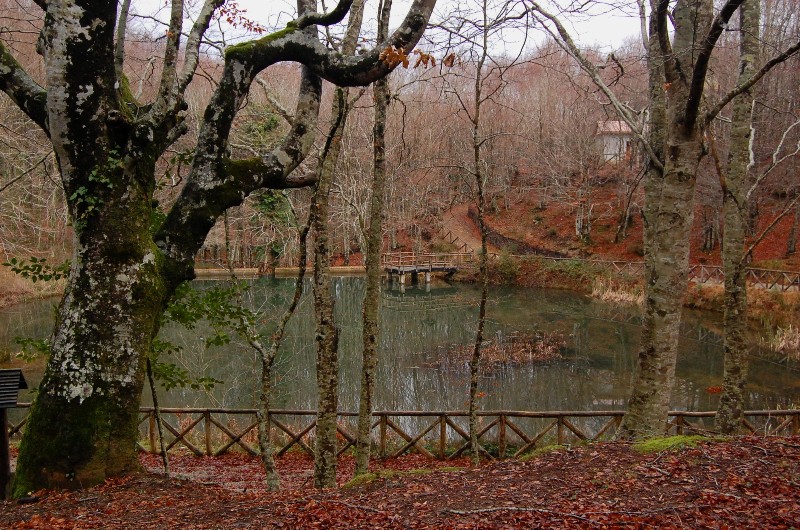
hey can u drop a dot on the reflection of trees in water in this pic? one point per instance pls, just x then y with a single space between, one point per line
602 342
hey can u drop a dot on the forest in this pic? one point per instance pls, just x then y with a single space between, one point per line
141 143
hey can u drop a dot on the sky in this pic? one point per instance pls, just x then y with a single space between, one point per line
606 28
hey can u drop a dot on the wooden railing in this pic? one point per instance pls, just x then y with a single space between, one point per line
436 434
427 260
698 273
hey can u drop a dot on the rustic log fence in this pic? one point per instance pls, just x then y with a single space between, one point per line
435 434
775 280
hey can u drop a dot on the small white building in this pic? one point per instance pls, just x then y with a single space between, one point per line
615 141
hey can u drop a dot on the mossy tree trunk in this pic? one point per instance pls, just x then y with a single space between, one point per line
126 265
327 333
371 306
736 184
669 198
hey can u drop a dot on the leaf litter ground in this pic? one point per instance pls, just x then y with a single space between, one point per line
749 482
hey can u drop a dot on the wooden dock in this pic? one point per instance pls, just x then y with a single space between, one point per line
400 264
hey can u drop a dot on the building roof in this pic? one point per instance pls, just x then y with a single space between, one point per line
616 127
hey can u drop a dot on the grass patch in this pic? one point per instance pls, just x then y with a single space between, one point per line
672 443
544 450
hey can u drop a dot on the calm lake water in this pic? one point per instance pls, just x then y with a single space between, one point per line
598 350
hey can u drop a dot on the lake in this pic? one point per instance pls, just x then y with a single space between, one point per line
418 369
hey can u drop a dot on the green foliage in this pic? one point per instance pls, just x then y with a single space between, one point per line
37 269
172 174
507 267
219 308
672 443
366 478
276 207
157 218
547 449
32 348
86 199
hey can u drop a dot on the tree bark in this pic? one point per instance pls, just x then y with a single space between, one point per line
676 139
374 238
83 424
736 212
327 333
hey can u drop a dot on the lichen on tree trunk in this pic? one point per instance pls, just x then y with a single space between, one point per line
374 238
736 183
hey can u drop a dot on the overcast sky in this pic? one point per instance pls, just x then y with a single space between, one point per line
606 28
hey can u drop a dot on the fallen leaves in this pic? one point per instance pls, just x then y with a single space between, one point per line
748 482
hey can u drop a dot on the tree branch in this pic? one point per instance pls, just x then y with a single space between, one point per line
325 19
660 10
743 87
569 45
192 53
119 41
26 93
701 64
291 44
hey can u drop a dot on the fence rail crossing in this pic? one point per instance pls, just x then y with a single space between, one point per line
435 434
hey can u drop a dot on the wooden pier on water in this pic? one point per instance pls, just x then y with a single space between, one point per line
399 265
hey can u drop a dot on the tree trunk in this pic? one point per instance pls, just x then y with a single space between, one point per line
373 263
83 423
327 334
736 210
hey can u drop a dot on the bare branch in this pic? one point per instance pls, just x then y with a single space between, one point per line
701 64
325 19
280 109
623 111
192 53
119 45
168 85
743 87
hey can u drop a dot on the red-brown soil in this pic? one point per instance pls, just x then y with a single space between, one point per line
745 483
552 229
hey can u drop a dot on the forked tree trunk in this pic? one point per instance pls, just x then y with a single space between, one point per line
667 220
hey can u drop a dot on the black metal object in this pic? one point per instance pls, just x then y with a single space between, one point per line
11 382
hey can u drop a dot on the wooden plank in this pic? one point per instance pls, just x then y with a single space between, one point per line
536 438
295 438
350 440
574 429
411 443
407 438
465 435
181 436
235 438
613 422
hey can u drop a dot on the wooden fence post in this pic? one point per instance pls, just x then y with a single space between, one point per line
151 427
207 426
501 434
442 435
382 439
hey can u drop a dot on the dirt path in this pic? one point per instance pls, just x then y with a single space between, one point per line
457 221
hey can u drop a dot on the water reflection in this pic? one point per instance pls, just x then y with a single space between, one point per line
418 324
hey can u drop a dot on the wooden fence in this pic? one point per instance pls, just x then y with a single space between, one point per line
436 434
775 280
